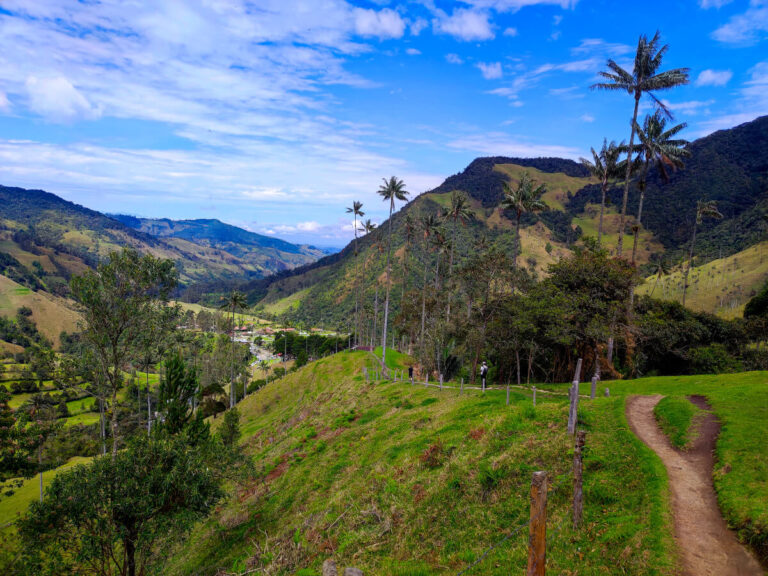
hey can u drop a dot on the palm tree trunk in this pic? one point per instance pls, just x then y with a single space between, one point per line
357 287
639 210
450 272
626 180
517 242
602 210
232 363
423 303
386 301
690 263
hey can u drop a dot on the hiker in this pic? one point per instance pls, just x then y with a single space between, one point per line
484 373
410 374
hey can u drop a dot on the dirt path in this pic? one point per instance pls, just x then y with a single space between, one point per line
706 545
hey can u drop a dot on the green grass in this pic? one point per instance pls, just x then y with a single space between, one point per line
12 506
80 406
400 479
740 402
85 419
676 416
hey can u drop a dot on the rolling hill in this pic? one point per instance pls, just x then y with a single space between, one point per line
730 166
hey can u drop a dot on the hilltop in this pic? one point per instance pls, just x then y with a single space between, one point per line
730 166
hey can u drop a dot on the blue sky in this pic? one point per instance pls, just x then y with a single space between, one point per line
276 114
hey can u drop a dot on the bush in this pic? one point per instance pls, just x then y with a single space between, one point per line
713 359
256 385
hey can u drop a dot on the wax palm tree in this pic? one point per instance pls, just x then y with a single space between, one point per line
427 225
645 78
607 168
235 301
526 197
662 269
356 210
392 189
704 209
459 211
264 365
658 147
366 228
410 229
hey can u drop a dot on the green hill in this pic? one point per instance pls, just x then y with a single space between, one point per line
400 479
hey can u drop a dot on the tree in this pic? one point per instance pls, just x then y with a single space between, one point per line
110 515
230 429
368 227
235 301
662 269
704 209
17 443
392 189
117 300
177 389
659 148
645 78
356 210
607 168
428 225
526 197
459 211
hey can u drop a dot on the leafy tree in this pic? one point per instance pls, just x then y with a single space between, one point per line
230 428
704 209
112 515
392 189
18 443
758 305
607 168
356 210
117 300
235 301
658 147
645 78
526 197
661 269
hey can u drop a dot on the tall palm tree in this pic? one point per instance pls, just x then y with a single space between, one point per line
458 212
410 228
662 269
645 78
264 365
367 227
526 197
607 168
658 147
356 210
392 189
235 301
704 209
428 224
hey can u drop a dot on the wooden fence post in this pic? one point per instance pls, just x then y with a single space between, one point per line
594 387
426 380
534 396
441 381
537 535
574 397
461 390
578 468
607 392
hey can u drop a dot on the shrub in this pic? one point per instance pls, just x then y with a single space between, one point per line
256 385
713 359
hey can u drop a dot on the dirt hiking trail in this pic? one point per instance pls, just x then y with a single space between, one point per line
706 546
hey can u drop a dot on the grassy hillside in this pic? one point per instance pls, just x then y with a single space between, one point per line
51 313
722 286
397 479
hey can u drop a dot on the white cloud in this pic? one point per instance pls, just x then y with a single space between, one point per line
515 5
690 107
713 3
751 103
412 52
500 144
417 25
587 118
599 48
453 59
57 100
464 24
747 28
383 24
491 70
714 77
5 104
511 32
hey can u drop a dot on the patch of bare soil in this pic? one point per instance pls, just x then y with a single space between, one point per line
706 546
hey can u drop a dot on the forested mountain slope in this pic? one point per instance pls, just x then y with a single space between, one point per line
730 166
